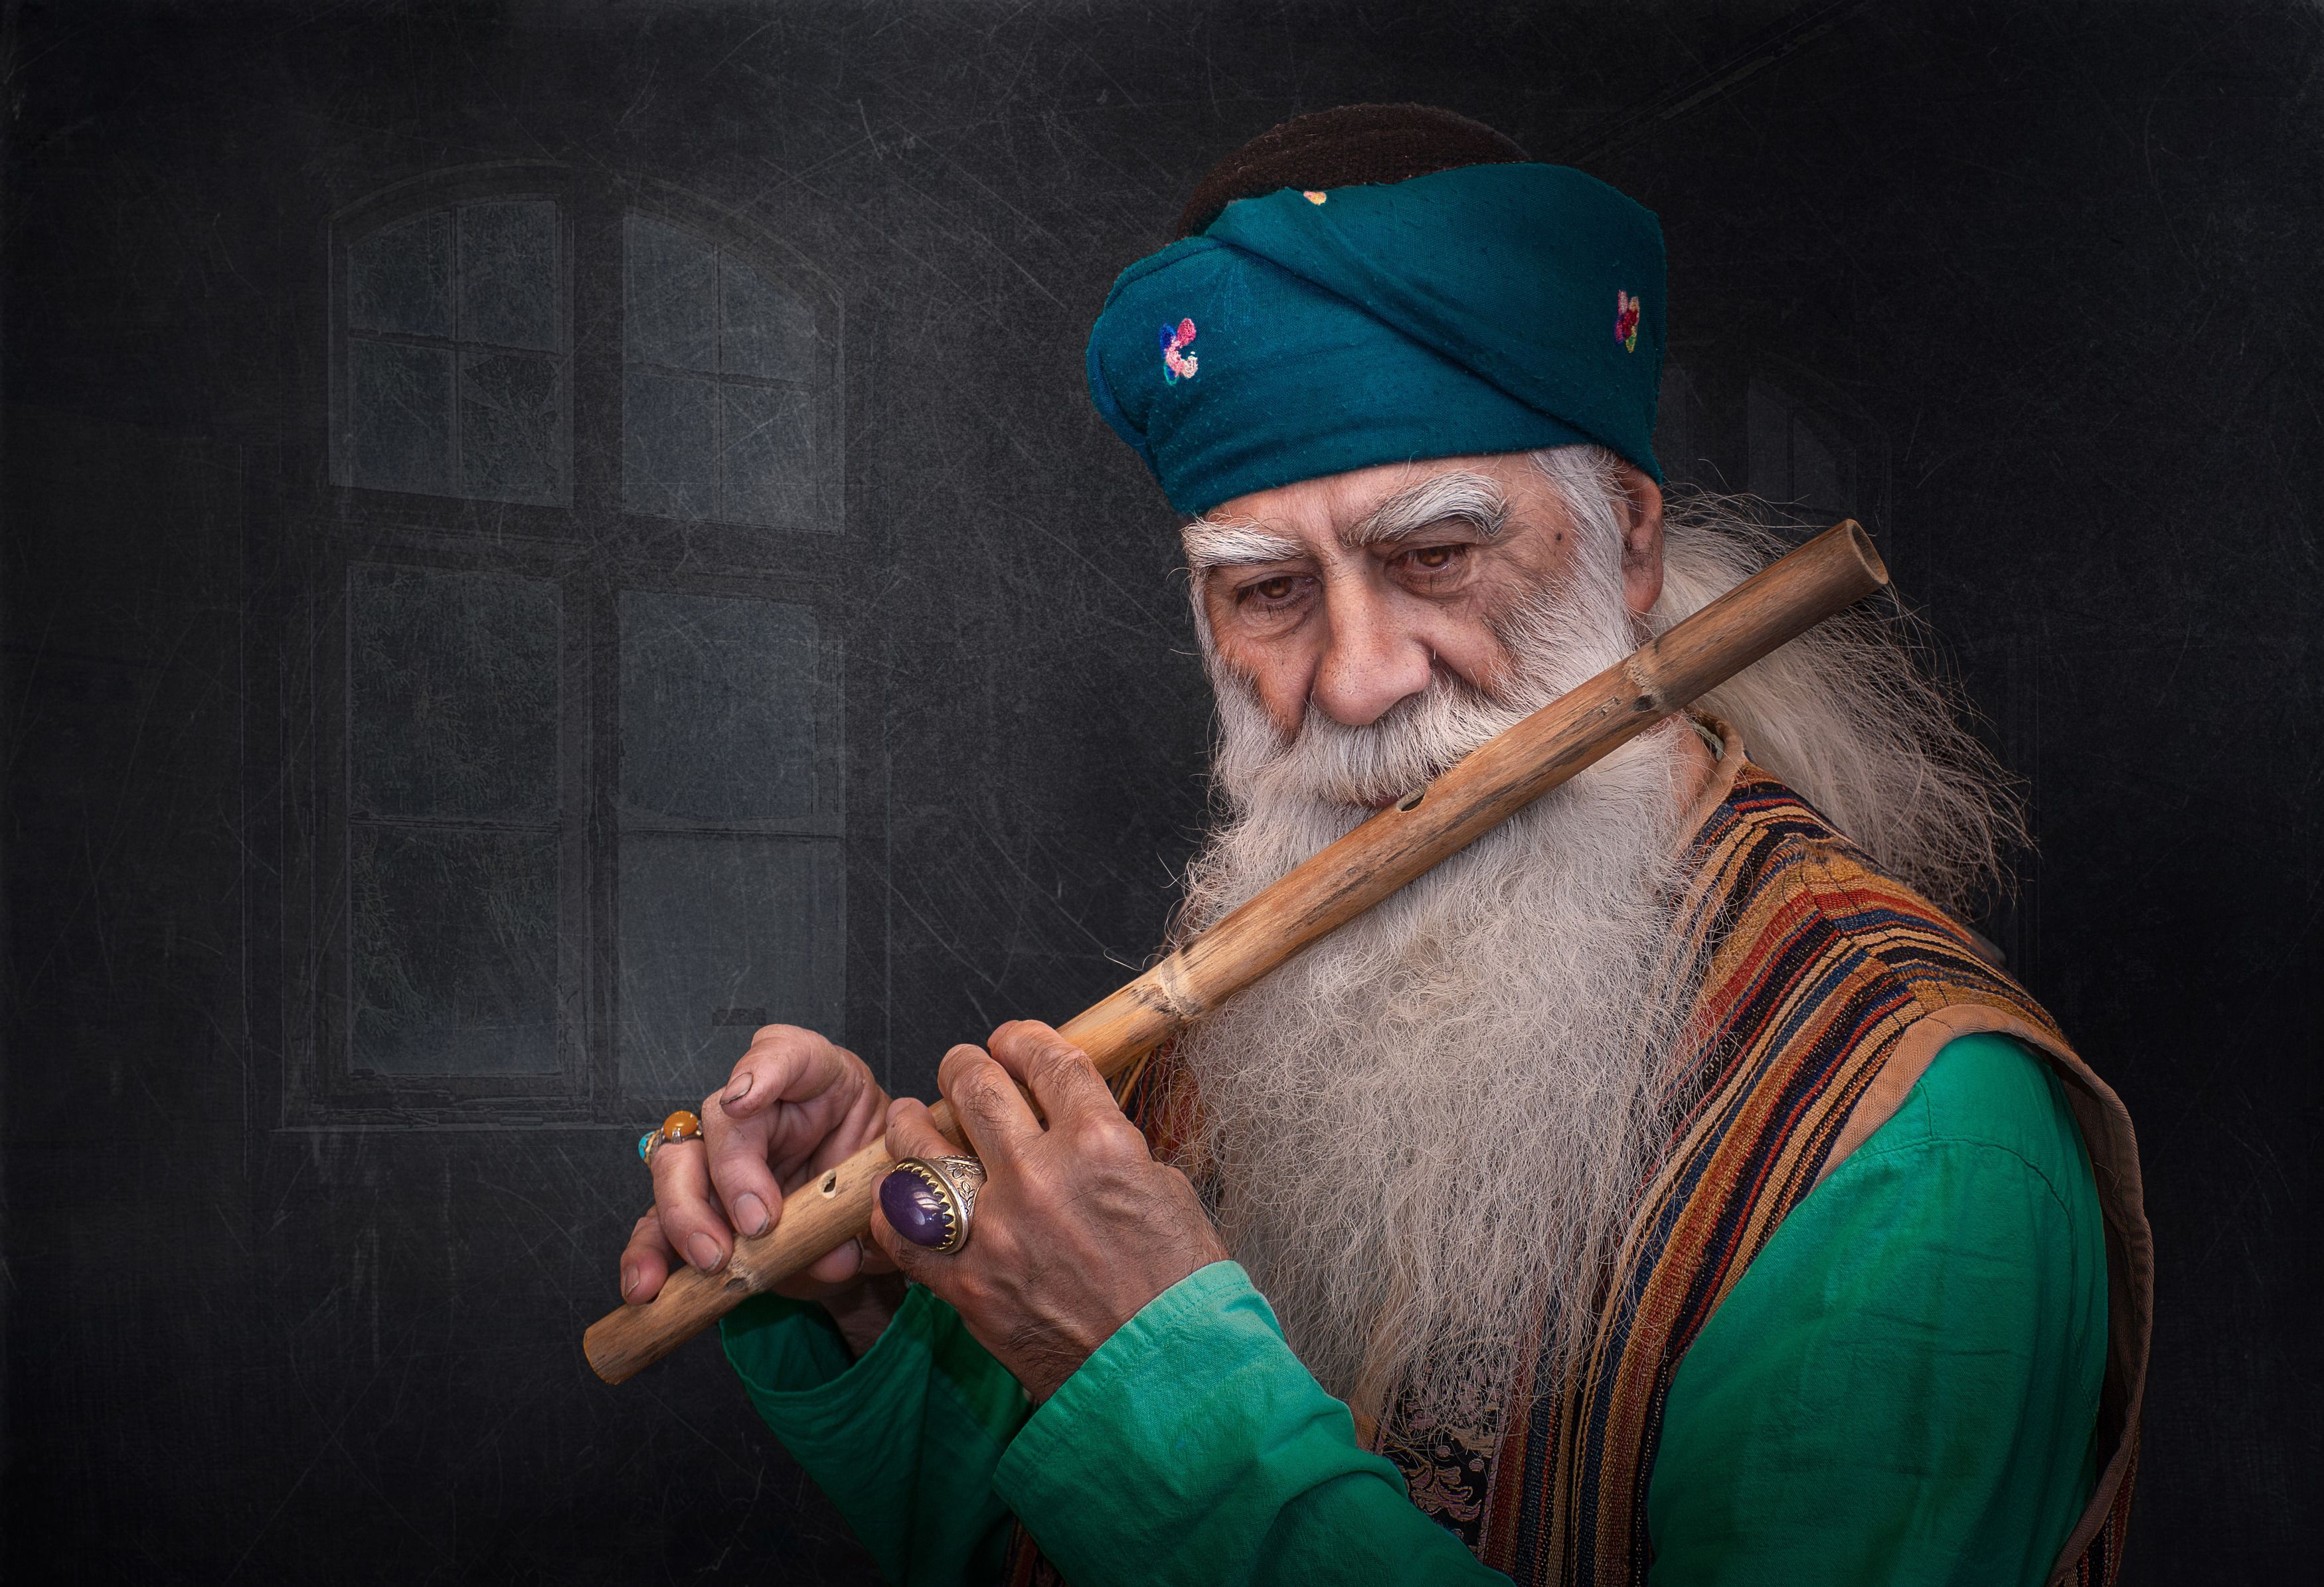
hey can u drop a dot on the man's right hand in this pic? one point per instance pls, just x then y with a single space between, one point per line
795 1105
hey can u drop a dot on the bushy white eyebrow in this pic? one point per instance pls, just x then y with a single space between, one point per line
1475 499
1228 543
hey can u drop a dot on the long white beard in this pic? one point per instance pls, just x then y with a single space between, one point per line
1424 1135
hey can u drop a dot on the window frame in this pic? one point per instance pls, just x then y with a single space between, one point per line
591 547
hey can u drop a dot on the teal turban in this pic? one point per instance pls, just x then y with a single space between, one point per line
1487 309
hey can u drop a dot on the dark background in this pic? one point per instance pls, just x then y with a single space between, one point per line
2033 287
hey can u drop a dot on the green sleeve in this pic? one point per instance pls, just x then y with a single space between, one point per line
1193 1447
904 1441
1904 1385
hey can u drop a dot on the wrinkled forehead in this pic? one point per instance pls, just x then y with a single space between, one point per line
1369 506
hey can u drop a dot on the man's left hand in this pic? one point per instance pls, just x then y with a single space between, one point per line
1077 1226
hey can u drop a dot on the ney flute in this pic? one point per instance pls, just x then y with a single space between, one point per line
1784 600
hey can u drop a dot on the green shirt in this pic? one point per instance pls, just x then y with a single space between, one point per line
1902 1388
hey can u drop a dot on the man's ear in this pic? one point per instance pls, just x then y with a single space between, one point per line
1642 540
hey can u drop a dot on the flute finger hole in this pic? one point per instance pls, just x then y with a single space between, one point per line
830 1184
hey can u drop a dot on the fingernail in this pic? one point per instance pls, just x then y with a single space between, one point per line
628 1281
703 1252
742 1089
751 1212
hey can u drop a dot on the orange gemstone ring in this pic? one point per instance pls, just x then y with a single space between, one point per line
681 1125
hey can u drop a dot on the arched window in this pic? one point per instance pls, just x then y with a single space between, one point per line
575 803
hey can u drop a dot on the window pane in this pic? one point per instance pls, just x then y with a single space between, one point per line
670 295
1682 430
399 423
669 442
508 274
767 468
764 330
1791 462
452 694
508 426
1767 438
399 278
1823 478
719 707
455 964
718 937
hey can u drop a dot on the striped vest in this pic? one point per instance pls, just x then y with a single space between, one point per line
1829 989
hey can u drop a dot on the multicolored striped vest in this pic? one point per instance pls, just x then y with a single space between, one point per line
1829 988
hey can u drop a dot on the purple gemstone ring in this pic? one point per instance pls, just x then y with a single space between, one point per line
931 1201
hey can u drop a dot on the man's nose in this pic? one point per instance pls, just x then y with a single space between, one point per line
1370 660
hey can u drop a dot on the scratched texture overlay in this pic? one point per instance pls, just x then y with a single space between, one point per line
541 537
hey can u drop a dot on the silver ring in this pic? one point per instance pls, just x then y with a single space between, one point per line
966 1177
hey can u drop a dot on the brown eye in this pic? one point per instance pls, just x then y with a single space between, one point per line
1277 588
1433 558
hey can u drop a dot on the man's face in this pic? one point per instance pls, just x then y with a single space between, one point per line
1350 591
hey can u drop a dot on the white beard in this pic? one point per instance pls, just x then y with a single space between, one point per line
1424 1135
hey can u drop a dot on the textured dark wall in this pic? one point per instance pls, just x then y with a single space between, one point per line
2046 269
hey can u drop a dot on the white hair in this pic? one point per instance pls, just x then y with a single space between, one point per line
1847 714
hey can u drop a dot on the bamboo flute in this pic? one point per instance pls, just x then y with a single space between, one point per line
1822 578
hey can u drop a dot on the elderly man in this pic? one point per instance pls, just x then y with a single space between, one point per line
1664 1187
